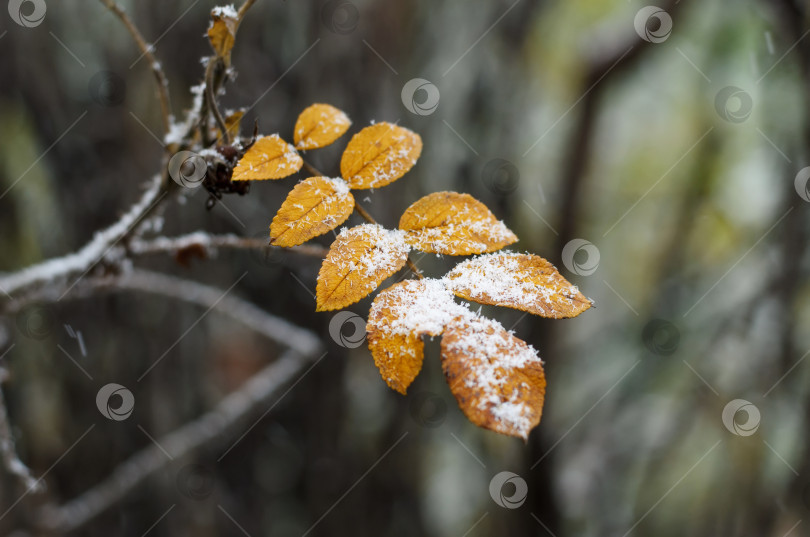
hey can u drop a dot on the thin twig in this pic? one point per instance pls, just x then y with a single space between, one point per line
243 9
313 170
214 242
11 460
210 94
146 50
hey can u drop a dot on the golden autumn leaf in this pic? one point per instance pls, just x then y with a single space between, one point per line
521 281
315 206
497 379
379 155
233 121
269 158
319 125
358 261
454 224
222 32
399 317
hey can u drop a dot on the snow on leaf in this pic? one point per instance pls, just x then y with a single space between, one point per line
319 125
398 319
233 120
269 158
454 224
379 155
222 32
521 281
315 206
358 261
497 379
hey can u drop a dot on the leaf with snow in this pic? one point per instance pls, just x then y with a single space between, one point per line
454 224
222 32
315 206
319 125
521 281
269 158
233 121
379 155
497 379
398 319
358 261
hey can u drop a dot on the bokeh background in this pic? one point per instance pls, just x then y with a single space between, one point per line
670 143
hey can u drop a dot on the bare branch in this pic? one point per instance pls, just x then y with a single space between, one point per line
243 9
11 460
212 243
210 429
146 49
92 253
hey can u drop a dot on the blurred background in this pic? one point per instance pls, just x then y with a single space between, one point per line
656 155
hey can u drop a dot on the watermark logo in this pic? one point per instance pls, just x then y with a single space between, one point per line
195 481
731 419
340 17
580 257
428 409
187 169
27 13
428 100
801 183
106 404
661 337
107 88
357 329
653 24
733 104
508 499
36 321
500 176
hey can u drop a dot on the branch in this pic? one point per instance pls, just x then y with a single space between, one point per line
11 460
211 428
146 49
92 253
213 243
243 9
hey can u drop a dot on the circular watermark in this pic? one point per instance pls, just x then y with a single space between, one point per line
509 499
27 13
500 176
356 325
732 421
36 321
420 96
187 169
428 409
801 183
195 481
653 24
580 257
661 337
107 88
340 17
115 402
733 104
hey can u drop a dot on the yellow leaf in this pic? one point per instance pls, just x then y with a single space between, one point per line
379 155
497 379
222 32
454 224
358 261
233 121
319 125
269 158
521 281
312 208
399 317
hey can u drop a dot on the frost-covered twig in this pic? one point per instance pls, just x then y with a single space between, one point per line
212 243
146 50
61 268
11 460
210 429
